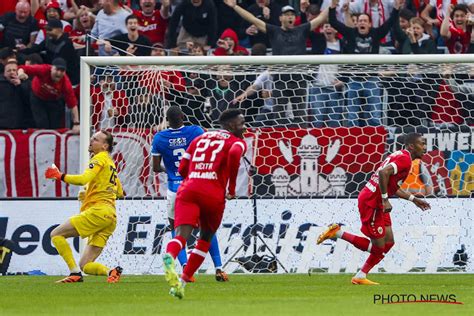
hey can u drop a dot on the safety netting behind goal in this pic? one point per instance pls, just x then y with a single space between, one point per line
316 134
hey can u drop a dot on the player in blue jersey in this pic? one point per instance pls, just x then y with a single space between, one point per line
169 145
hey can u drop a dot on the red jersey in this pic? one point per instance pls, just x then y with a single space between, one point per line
211 163
41 19
7 6
46 89
459 41
153 26
401 163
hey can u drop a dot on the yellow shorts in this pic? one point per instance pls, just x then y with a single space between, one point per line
97 223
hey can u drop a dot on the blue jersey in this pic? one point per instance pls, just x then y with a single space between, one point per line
171 144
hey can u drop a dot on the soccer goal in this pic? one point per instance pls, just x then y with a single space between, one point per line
318 127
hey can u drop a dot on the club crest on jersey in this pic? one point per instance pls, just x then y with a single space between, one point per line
177 142
380 229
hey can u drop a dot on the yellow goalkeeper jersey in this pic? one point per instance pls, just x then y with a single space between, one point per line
102 183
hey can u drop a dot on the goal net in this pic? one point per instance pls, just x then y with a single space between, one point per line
317 129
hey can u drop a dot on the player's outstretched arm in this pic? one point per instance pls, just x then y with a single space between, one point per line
75 179
422 204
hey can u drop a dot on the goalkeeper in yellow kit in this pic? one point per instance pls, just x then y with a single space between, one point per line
97 218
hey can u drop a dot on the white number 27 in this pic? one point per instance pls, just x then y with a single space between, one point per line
201 147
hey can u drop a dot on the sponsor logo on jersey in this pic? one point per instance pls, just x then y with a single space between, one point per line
178 142
146 28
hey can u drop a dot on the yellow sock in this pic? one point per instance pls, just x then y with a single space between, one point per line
95 268
65 251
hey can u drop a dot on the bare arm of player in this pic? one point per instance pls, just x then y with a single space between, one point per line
157 164
384 176
233 163
422 204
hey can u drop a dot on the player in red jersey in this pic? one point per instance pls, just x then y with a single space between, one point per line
375 207
209 168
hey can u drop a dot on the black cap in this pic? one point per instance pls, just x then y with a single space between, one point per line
59 63
54 24
287 8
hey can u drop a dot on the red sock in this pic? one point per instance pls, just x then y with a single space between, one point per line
359 242
195 259
388 246
376 255
175 245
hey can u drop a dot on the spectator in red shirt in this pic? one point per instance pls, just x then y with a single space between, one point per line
229 44
153 23
457 33
48 89
39 8
53 12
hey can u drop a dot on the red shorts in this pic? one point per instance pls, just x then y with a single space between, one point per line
374 220
198 209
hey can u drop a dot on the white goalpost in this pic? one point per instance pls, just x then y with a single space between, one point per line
318 128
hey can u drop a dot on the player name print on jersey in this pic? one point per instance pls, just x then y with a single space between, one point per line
209 175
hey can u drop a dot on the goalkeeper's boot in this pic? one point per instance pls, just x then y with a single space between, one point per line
72 278
363 281
170 271
221 276
114 275
178 291
329 233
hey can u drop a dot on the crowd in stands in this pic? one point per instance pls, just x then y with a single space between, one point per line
41 42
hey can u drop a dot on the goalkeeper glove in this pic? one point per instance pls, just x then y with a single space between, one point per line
53 173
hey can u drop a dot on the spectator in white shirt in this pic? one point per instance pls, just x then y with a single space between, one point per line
110 22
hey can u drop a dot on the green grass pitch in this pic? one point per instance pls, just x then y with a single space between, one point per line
291 294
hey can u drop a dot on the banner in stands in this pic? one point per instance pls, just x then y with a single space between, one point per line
290 162
316 161
425 241
25 155
449 159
